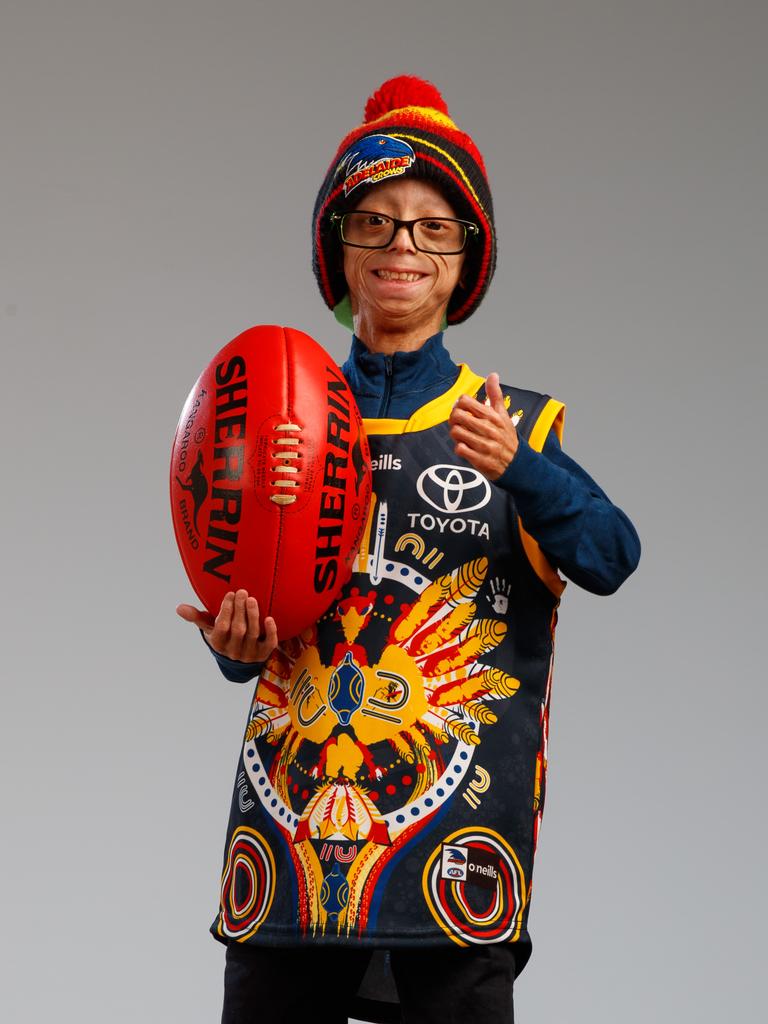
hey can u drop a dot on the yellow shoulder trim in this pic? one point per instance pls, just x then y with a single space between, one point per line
385 426
551 417
439 409
434 412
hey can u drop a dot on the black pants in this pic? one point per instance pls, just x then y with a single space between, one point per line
263 985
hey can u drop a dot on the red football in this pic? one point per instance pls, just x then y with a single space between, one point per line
270 477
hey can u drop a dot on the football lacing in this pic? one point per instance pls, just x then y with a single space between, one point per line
283 471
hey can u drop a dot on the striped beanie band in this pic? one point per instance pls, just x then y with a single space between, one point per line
407 131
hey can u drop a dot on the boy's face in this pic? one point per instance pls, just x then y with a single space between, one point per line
400 284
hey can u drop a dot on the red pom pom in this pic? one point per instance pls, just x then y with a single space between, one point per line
403 91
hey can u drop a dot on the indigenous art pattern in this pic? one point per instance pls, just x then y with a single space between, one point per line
247 884
353 749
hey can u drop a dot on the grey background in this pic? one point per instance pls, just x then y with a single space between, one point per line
159 164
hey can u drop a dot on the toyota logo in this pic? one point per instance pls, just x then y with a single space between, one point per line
453 488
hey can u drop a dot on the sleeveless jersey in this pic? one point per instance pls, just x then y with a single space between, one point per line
391 781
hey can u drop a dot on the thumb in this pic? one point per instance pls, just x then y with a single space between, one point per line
494 393
203 620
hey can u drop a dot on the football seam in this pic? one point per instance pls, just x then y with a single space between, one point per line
281 510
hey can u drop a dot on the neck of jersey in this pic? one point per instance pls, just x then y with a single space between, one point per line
395 386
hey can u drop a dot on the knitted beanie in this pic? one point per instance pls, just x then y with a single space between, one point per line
407 131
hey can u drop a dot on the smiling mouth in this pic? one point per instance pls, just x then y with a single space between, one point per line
399 275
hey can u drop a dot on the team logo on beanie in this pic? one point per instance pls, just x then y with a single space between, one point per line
374 158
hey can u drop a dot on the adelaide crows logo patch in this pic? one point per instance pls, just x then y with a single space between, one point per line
375 158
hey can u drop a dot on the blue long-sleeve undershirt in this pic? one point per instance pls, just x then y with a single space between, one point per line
582 533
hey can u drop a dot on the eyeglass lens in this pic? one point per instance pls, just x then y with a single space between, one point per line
431 234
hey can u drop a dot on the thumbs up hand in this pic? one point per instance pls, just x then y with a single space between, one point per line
484 435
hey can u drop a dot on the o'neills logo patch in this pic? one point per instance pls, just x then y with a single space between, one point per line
228 460
469 864
375 158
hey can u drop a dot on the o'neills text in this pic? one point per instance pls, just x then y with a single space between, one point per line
333 496
228 462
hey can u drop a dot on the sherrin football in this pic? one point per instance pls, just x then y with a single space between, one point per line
270 477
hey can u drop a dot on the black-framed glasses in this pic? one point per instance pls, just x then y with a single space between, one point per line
366 229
